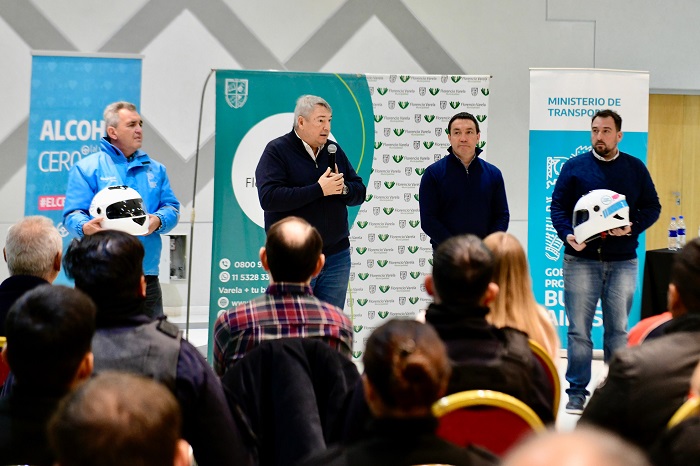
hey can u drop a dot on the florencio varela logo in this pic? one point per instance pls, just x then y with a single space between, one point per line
236 91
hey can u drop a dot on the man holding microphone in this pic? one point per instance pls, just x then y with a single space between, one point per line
305 174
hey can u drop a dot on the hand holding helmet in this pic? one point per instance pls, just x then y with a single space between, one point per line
601 210
120 208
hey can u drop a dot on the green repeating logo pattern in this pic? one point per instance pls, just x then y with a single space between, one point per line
456 79
356 354
383 314
382 263
430 261
383 237
388 210
414 274
377 145
397 158
362 224
357 328
399 131
412 249
419 172
362 301
384 288
413 299
361 250
417 196
481 118
428 144
414 223
403 105
363 275
429 118
384 90
481 144
434 91
454 104
404 78
485 91
378 118
389 184
369 197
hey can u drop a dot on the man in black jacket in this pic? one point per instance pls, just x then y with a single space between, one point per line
305 174
483 356
655 374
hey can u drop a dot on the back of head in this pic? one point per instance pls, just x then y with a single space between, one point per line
293 248
685 275
462 270
31 247
582 447
49 332
406 363
116 419
108 266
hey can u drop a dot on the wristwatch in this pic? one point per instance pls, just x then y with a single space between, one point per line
346 190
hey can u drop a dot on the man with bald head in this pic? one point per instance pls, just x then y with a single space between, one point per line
292 255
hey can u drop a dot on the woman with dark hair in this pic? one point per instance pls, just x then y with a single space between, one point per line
406 371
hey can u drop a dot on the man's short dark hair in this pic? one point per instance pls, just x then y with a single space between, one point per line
463 116
108 266
49 331
292 259
685 275
462 270
609 113
116 419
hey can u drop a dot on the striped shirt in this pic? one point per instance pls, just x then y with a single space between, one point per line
286 310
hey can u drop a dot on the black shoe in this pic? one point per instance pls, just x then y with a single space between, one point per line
575 404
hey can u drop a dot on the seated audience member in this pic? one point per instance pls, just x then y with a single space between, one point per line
582 447
515 304
406 371
680 445
119 419
647 383
32 251
292 255
108 267
649 328
49 332
483 356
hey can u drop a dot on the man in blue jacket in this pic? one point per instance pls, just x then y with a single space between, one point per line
121 161
294 177
462 193
606 267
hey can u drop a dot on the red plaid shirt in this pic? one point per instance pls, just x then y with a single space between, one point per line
286 310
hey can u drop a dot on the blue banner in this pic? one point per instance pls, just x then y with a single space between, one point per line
562 103
68 96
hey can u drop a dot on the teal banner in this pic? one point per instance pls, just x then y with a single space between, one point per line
68 96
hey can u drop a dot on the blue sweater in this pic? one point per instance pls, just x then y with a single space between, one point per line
455 201
287 180
625 175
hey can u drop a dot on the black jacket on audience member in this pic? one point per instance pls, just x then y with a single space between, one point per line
485 357
647 383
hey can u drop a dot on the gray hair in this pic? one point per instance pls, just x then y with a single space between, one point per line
306 105
111 113
31 247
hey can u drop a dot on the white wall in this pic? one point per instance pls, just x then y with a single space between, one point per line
181 40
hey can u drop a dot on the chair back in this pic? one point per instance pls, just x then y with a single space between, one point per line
550 368
4 368
690 408
490 419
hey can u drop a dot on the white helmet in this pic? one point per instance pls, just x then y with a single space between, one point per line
121 208
598 211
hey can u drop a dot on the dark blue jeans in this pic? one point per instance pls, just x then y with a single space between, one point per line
331 285
585 282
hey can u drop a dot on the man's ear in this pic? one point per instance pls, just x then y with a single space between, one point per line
429 285
111 132
142 290
673 301
4 254
263 258
490 294
183 453
319 265
57 261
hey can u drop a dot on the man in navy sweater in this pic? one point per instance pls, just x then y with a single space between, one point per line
294 177
604 268
461 193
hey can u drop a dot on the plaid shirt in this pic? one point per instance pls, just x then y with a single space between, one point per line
286 310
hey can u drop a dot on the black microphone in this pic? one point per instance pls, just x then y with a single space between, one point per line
332 149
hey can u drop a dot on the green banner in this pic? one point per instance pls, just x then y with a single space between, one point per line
252 108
